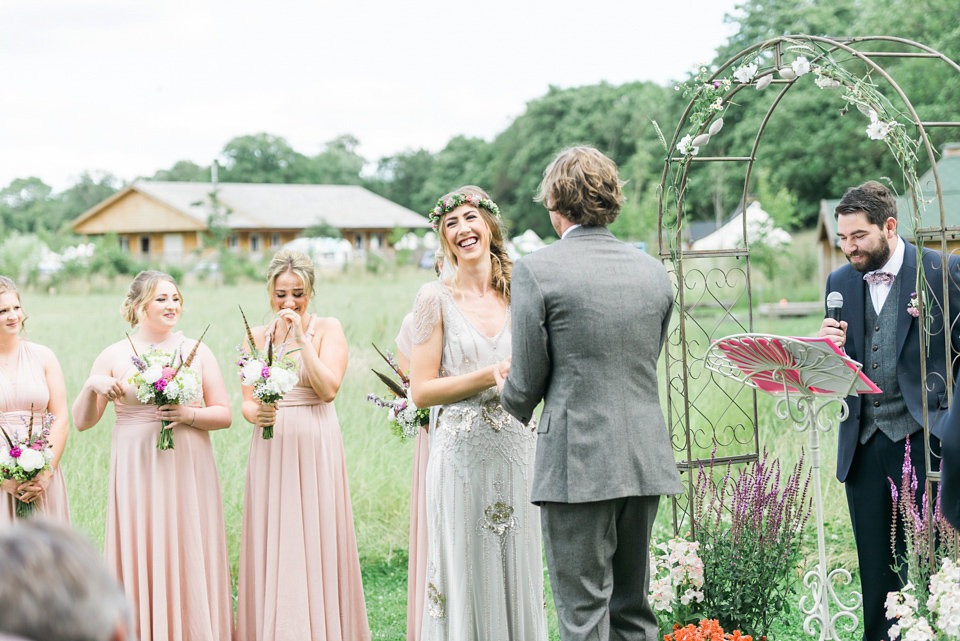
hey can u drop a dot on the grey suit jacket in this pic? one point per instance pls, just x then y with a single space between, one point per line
590 317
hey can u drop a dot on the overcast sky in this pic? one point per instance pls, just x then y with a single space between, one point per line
132 86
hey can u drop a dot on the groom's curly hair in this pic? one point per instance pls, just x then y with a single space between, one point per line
582 185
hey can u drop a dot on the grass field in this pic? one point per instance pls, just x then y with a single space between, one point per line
78 324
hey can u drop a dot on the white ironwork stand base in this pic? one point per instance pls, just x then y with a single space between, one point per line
809 414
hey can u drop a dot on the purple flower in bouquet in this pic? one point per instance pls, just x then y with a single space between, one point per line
15 452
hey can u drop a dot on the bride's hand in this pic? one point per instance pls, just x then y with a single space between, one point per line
500 372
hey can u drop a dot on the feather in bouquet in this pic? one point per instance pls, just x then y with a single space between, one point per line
271 371
22 458
405 417
161 380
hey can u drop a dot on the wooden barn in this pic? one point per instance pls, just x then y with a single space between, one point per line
166 222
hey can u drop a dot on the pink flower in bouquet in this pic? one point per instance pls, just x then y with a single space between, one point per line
160 385
15 452
265 372
168 373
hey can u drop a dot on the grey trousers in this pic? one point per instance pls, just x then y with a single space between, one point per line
598 557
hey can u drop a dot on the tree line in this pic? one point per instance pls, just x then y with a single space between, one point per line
811 148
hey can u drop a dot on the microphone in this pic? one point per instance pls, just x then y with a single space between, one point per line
834 303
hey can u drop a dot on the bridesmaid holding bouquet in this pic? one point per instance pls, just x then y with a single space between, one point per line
30 377
165 537
299 567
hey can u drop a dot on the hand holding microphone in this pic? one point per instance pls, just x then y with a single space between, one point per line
832 327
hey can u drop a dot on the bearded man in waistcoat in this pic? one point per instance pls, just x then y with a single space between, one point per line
880 327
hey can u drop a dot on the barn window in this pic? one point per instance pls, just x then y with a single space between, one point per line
144 244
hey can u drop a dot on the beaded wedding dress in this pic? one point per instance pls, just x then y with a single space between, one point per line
484 564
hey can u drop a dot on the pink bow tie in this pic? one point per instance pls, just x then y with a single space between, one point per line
879 278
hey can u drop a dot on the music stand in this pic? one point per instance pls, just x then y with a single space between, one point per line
805 375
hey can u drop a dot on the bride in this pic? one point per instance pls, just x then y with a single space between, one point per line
484 567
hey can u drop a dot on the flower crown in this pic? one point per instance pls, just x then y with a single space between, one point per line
448 204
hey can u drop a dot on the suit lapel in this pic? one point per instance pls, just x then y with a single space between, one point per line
908 282
856 290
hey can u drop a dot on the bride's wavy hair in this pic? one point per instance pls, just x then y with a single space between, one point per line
500 263
8 286
141 290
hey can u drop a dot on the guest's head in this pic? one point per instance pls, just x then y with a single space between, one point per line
152 295
468 223
12 316
438 261
55 587
290 280
867 226
582 185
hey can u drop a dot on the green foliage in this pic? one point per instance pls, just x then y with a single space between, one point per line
184 171
401 178
110 260
322 229
263 158
20 256
617 120
749 527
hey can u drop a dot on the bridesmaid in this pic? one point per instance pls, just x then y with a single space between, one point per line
165 537
299 567
30 375
417 557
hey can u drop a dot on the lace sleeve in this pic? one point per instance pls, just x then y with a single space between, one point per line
426 312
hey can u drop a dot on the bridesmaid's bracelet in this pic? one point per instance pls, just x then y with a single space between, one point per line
193 421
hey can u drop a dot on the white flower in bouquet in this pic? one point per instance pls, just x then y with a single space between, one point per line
31 460
281 381
252 372
5 459
174 388
188 384
152 374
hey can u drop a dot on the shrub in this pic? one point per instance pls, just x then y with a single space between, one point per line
749 528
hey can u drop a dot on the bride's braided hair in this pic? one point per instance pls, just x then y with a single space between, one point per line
500 263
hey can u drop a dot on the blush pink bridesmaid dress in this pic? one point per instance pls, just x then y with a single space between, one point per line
29 387
299 566
165 536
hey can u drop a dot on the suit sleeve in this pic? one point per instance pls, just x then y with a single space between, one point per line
530 364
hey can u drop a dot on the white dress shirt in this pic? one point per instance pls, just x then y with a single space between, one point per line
568 230
878 293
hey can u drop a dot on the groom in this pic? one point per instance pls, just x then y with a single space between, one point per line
590 316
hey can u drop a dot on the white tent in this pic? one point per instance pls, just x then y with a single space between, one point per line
527 242
760 229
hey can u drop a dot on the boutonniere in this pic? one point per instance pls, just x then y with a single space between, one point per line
913 307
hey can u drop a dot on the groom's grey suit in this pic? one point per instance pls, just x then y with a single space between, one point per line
590 317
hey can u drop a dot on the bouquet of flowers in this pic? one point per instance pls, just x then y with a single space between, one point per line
405 417
677 580
161 381
271 372
23 458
